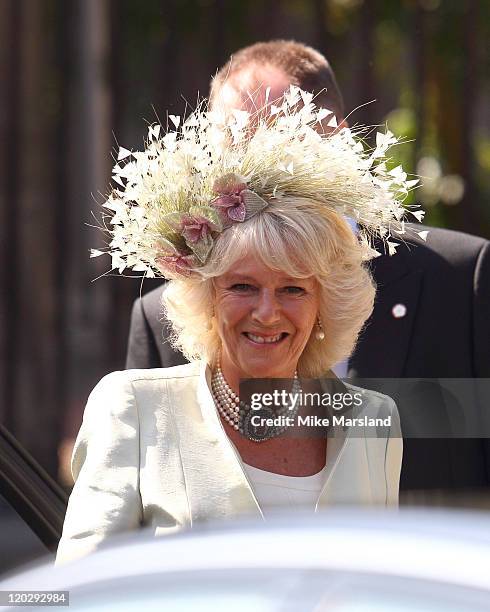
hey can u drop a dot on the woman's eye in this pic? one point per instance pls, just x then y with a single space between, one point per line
241 287
294 290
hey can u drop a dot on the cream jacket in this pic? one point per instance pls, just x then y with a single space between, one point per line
152 452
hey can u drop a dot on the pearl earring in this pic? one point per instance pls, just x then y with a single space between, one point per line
319 334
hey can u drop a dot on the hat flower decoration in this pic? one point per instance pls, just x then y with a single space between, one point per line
172 200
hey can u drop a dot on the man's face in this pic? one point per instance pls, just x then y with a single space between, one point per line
247 91
253 80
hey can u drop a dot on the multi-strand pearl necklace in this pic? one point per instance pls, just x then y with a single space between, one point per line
238 414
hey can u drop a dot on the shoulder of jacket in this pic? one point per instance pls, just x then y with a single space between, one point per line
444 242
187 370
442 252
124 378
152 301
371 398
118 388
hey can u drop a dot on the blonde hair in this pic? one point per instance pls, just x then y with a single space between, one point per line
302 238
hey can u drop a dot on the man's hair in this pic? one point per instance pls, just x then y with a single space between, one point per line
303 65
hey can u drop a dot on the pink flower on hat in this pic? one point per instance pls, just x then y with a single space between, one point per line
230 199
195 229
176 263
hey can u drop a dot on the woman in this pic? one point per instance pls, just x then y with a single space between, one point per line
267 281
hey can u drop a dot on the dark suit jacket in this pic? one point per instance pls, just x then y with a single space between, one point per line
444 284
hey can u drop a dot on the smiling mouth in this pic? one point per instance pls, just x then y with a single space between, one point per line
265 339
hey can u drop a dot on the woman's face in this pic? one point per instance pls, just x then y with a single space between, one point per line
264 319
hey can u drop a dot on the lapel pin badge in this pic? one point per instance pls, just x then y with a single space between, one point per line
399 311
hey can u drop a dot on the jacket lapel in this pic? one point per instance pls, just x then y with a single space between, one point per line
229 488
383 345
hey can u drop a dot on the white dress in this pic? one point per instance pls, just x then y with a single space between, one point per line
277 491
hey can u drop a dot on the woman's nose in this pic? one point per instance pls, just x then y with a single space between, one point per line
267 308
